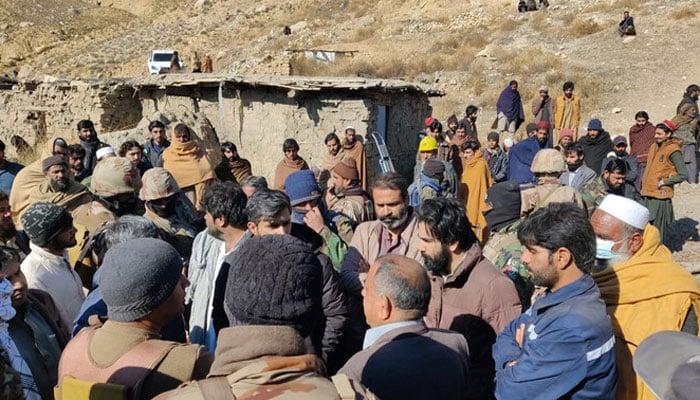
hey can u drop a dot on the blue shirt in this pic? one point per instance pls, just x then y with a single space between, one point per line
567 348
520 160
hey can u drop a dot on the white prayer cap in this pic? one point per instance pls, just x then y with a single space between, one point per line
349 128
101 152
626 210
508 142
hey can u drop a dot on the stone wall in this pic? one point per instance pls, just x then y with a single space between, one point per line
256 118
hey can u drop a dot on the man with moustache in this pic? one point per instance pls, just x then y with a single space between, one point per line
644 289
59 187
36 329
469 294
395 231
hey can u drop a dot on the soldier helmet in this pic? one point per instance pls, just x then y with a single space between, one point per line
157 184
428 143
115 175
548 161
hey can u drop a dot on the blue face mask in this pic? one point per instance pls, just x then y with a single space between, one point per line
603 249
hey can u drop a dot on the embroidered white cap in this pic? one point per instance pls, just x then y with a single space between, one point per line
101 152
626 210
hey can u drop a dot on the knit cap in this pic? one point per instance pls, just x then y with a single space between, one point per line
493 136
434 169
543 125
530 127
301 186
44 221
137 276
504 195
619 140
347 169
595 125
566 132
51 161
274 280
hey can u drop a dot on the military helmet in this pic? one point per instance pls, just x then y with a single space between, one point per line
428 143
157 184
548 161
113 176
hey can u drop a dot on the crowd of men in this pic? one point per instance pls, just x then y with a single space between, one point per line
514 270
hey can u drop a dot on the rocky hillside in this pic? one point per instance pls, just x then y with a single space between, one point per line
469 49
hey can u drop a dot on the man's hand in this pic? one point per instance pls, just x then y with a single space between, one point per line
520 335
314 220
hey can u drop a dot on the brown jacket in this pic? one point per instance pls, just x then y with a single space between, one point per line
659 165
424 363
365 248
478 301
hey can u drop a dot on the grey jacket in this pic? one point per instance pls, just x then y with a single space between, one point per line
582 176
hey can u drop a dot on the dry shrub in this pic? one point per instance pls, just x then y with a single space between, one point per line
507 25
530 61
686 12
581 27
612 7
363 33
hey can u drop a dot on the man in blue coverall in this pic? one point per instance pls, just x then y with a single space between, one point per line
562 346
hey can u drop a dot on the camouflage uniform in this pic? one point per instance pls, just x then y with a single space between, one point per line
595 191
548 190
504 250
351 210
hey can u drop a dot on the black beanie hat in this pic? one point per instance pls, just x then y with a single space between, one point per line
274 280
504 195
434 168
44 221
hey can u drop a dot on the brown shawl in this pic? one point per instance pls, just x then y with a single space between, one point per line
682 119
641 138
75 195
286 167
356 151
190 166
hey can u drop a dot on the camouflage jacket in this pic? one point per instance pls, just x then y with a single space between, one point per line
504 250
295 375
595 191
548 190
351 209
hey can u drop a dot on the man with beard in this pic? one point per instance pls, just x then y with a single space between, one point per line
154 147
76 156
90 142
613 181
692 92
232 167
224 204
36 329
395 231
354 149
644 289
521 155
543 110
577 174
502 213
469 121
346 197
567 111
50 229
510 110
562 347
641 136
469 294
452 123
329 160
619 151
59 187
169 209
596 145
9 236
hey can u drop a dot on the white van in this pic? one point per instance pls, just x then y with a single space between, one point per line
159 62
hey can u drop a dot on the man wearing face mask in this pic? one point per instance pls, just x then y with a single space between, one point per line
644 290
169 209
577 174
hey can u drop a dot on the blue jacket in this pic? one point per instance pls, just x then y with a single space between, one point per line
520 160
567 348
7 175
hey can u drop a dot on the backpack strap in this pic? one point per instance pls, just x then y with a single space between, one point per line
129 370
349 390
540 203
217 388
